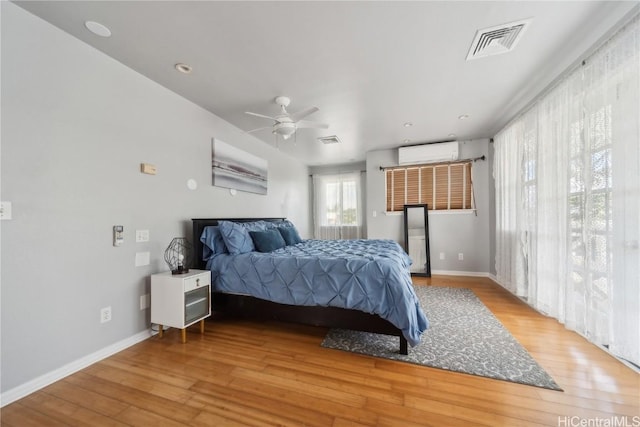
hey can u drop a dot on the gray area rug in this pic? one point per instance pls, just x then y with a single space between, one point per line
463 336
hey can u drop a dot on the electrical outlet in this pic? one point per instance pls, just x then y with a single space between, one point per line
460 256
105 314
144 301
441 255
5 210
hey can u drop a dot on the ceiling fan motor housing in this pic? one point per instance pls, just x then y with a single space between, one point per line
283 101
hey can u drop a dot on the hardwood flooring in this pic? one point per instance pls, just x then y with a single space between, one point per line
262 374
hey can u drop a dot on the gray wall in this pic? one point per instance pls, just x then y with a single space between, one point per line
76 125
449 233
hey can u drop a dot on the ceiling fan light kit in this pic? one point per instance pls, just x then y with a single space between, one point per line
286 124
284 129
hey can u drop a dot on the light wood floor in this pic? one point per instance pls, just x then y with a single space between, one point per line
244 373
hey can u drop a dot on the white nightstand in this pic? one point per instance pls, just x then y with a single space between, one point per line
180 300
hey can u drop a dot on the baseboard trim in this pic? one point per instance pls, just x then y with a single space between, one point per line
462 273
42 381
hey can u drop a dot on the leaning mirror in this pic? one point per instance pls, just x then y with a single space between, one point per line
416 239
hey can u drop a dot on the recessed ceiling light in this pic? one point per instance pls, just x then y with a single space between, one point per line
463 117
408 124
97 29
452 135
406 141
183 68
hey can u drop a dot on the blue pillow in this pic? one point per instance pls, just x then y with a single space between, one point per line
290 235
236 235
286 223
268 240
212 242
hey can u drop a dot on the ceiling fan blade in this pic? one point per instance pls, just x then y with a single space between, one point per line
309 124
258 129
302 114
260 115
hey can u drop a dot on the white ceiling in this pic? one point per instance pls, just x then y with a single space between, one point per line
369 66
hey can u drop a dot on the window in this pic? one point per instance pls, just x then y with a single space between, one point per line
337 206
442 186
341 203
567 198
590 204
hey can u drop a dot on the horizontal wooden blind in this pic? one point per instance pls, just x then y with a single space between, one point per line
399 184
413 190
441 186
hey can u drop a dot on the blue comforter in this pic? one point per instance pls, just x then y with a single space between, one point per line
367 275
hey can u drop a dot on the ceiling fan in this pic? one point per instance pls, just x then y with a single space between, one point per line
286 123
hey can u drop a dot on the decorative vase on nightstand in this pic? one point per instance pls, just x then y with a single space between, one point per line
179 255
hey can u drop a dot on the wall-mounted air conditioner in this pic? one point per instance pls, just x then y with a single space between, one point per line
428 153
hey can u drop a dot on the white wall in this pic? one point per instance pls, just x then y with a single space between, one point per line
451 233
76 125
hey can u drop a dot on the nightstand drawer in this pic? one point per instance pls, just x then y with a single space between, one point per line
196 282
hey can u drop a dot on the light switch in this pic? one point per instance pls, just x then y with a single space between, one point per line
142 236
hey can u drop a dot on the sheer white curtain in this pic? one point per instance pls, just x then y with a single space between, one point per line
568 199
615 76
510 232
338 206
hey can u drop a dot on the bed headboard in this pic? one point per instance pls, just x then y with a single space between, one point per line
200 223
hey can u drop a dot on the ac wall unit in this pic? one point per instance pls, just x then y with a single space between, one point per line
428 153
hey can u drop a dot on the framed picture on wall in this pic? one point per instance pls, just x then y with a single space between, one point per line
236 169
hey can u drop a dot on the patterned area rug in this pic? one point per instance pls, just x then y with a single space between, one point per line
463 336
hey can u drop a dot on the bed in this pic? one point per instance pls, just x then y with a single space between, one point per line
360 285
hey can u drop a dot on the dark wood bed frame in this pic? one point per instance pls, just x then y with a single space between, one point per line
250 307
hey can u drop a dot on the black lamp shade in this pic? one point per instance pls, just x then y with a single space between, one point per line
179 255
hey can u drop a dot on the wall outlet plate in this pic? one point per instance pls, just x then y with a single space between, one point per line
105 314
142 259
5 210
145 301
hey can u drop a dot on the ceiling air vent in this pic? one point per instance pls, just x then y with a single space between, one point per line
497 40
329 139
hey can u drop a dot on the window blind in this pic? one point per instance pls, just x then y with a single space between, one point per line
442 186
